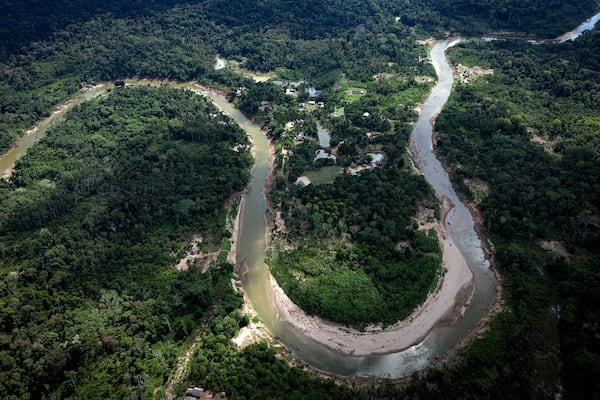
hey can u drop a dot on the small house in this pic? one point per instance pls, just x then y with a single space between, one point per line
312 92
194 392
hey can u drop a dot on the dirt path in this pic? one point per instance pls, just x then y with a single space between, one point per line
183 361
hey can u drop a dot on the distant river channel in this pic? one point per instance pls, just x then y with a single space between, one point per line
251 240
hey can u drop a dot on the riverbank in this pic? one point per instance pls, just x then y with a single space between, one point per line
443 306
497 303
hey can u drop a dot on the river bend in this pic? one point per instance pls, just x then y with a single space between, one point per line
251 240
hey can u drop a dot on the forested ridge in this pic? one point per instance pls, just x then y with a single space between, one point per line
94 217
539 18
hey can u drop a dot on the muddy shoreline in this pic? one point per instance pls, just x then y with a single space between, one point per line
442 307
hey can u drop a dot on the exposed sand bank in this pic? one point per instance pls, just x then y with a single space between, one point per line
442 306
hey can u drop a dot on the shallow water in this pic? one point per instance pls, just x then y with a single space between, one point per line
324 136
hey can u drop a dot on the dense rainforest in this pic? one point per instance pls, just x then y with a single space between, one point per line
47 50
95 216
93 219
536 18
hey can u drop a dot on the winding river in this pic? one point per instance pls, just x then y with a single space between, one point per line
460 224
251 239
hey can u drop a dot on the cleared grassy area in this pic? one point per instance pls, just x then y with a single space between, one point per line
324 174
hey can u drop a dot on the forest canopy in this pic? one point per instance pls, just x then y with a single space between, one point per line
93 220
94 217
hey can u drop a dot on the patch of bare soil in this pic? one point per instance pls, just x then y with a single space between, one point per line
194 255
466 74
555 247
302 181
255 332
547 144
479 188
424 79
